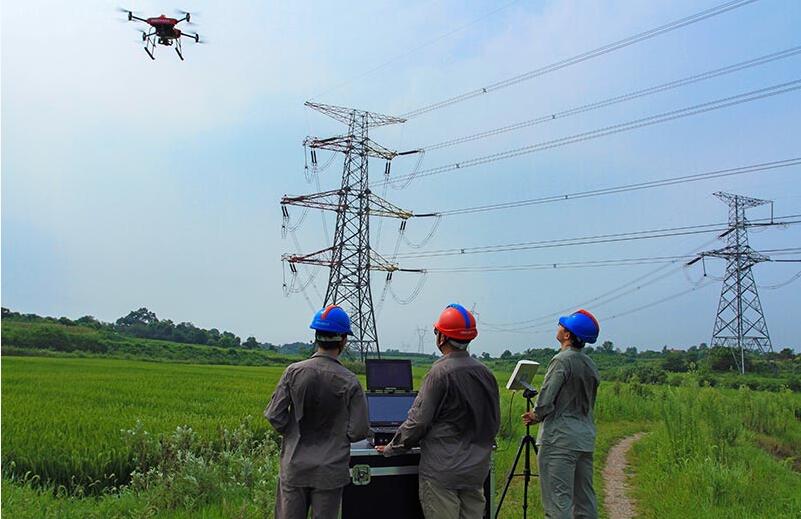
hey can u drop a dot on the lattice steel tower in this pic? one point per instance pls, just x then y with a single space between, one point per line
740 322
350 258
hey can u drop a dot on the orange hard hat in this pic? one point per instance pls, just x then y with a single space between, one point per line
456 323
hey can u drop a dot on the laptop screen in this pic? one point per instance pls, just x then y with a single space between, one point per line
389 409
385 374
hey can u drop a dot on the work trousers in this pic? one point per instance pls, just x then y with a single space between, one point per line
294 502
566 483
439 502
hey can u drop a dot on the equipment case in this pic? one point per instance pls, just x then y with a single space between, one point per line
387 487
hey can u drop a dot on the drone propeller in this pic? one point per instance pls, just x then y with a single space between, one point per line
196 37
188 15
130 14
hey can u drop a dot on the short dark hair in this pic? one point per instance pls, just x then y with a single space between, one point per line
575 342
328 340
459 345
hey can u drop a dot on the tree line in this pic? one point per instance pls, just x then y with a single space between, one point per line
144 324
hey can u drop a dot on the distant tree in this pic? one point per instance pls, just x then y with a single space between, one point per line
608 347
722 359
786 354
486 356
506 354
250 343
631 351
141 316
90 321
674 361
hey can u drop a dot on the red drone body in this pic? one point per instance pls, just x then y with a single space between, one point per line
163 31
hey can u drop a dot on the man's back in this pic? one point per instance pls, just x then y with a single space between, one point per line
455 419
319 408
568 397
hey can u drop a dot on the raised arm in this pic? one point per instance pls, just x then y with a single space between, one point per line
554 378
422 414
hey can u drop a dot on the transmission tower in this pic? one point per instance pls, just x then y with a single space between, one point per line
740 322
350 258
421 335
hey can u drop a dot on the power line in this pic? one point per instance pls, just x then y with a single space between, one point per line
620 262
752 168
709 106
607 318
621 291
600 51
657 302
562 265
762 60
596 239
421 46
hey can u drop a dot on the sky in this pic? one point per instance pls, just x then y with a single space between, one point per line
128 182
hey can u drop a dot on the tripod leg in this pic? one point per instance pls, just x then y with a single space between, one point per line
509 477
529 441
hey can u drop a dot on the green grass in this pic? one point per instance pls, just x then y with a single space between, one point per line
62 418
703 456
81 426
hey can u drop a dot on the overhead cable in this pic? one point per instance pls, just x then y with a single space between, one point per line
418 47
611 295
598 238
753 95
762 60
579 58
752 168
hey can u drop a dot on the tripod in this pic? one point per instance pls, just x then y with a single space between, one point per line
526 444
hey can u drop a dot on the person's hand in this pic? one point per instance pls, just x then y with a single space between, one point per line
380 448
530 418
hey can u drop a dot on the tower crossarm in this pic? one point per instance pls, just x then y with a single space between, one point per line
378 262
345 115
333 201
346 143
325 258
746 255
745 202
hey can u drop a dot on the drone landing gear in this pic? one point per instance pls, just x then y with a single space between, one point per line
150 46
178 48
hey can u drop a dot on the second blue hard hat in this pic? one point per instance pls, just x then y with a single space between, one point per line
332 319
582 324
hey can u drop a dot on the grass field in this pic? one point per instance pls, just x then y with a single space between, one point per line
78 428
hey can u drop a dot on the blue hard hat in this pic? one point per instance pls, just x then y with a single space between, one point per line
331 319
582 324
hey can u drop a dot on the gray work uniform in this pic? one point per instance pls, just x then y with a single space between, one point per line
566 436
319 408
454 420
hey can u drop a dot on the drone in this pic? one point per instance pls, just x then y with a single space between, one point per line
163 31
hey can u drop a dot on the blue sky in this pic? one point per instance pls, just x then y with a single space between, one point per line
129 183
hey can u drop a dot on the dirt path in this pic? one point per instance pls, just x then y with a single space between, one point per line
616 501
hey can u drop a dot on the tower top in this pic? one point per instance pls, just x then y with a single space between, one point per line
344 114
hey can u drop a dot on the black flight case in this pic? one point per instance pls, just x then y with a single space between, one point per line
387 487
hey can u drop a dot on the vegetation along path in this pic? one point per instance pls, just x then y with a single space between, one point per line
616 501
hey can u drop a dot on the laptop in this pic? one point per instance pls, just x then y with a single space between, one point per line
388 375
386 412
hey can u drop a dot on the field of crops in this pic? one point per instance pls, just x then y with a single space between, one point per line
79 427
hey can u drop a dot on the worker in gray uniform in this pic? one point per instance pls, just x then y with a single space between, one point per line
319 408
454 420
566 436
